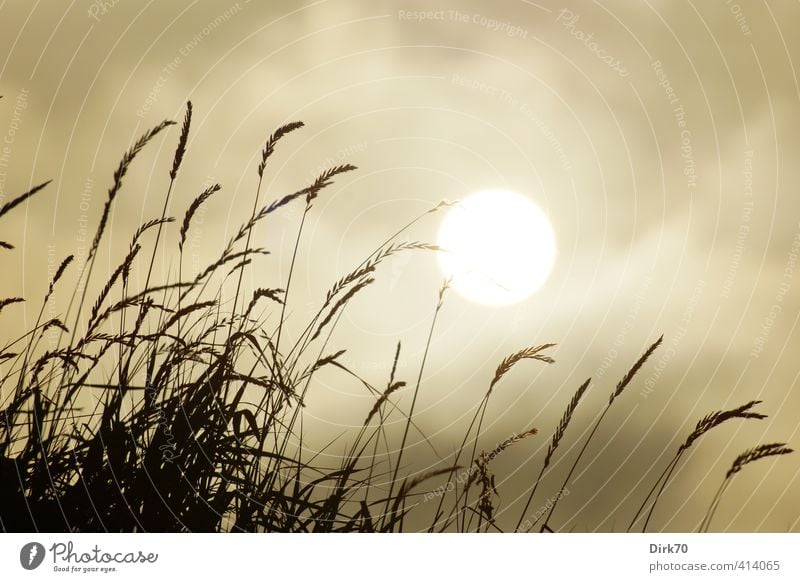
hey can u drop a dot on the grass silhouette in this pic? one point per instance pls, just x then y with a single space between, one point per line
195 421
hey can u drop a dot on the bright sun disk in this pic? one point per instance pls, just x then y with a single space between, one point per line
499 247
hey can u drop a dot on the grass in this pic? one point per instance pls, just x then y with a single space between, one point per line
159 409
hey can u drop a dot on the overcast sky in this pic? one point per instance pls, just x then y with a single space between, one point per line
660 137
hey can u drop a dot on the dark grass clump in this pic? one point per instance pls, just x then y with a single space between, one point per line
171 407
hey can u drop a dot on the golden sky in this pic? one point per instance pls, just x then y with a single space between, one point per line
659 137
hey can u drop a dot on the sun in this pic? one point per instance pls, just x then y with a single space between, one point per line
498 247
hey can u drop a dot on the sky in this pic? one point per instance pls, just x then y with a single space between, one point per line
658 137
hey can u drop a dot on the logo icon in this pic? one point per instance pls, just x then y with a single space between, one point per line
31 555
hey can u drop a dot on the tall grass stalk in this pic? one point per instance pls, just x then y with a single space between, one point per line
614 395
704 425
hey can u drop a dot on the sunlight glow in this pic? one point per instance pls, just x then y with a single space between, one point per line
499 247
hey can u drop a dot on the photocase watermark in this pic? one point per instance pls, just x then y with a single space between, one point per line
739 16
627 326
209 28
343 154
686 149
467 475
744 225
100 8
777 306
529 522
67 558
473 18
20 105
82 236
169 448
196 232
52 312
524 108
31 555
168 70
569 20
676 338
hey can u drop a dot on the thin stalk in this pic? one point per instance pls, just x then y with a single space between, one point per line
667 472
712 509
416 393
620 388
575 463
